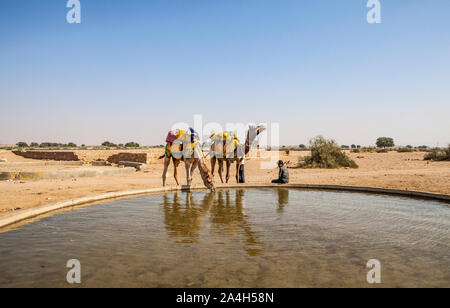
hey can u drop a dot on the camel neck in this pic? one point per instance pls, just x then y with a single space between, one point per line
247 143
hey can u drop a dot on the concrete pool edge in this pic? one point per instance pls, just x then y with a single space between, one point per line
44 209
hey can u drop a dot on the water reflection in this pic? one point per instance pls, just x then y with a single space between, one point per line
184 220
248 239
283 199
228 219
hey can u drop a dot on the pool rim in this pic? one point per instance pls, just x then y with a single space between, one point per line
44 209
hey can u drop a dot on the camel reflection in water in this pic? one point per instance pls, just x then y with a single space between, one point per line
226 217
184 221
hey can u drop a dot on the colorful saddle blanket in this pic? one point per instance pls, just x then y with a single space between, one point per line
224 144
181 143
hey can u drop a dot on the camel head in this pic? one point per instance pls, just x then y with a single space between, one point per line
207 177
253 132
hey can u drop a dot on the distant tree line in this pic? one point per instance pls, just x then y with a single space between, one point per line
127 145
46 145
108 144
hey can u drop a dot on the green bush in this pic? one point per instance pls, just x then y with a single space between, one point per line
132 145
50 145
108 144
438 154
22 145
356 151
326 154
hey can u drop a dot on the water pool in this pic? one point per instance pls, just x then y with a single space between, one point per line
235 238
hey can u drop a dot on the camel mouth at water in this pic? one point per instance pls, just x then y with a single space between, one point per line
191 163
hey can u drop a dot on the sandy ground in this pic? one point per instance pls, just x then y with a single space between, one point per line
389 170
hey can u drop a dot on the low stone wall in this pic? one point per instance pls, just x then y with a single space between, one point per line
129 157
48 155
5 176
7 166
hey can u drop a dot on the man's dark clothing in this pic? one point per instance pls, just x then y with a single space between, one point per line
283 176
241 174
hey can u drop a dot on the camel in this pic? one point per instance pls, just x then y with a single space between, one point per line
240 151
196 158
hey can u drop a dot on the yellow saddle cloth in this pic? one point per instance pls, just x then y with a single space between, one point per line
224 144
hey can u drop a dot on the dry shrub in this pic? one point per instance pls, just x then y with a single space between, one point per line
327 154
438 154
405 150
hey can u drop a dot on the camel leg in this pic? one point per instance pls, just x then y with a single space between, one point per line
194 165
187 165
228 170
213 164
166 166
238 168
176 163
221 170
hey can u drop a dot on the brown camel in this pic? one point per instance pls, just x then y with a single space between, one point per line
240 151
196 159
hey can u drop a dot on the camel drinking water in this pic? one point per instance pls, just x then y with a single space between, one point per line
184 146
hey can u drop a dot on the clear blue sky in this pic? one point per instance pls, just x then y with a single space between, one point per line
134 68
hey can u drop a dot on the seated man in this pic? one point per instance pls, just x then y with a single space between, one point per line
283 176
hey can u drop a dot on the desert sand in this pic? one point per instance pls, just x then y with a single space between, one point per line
385 170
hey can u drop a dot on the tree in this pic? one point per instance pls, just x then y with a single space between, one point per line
22 144
71 145
49 145
132 145
385 142
302 146
34 144
108 144
353 146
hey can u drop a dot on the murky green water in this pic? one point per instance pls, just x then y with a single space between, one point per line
238 238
